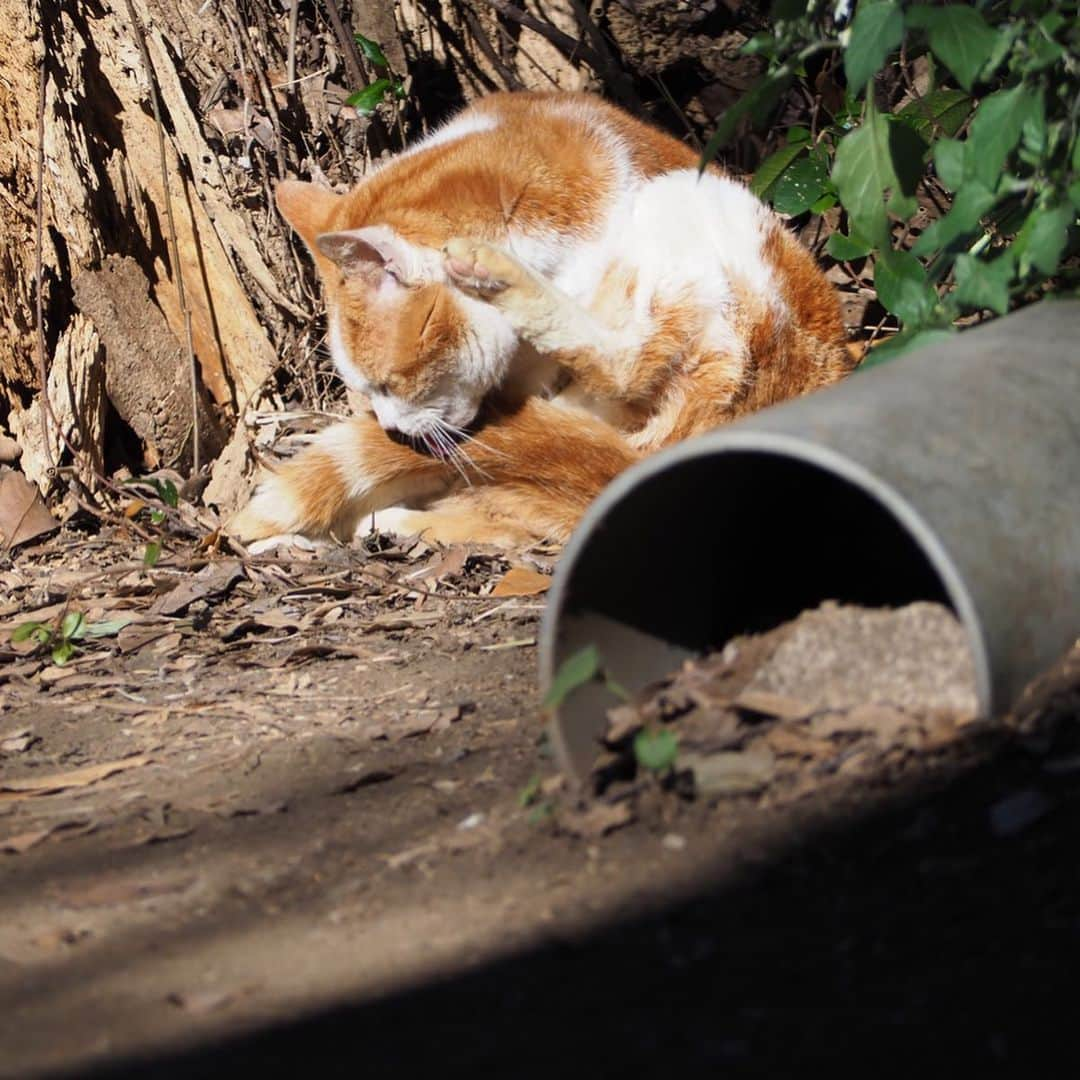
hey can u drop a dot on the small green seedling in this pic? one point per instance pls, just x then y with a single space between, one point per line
575 671
387 87
530 792
61 639
656 750
72 628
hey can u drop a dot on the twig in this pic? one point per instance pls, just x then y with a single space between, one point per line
600 61
267 95
350 53
290 63
510 80
151 83
47 417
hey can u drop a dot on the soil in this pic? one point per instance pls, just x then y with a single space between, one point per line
299 813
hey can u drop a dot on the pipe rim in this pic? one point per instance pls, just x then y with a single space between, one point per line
801 450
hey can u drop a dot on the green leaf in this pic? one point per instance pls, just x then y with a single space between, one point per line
907 151
762 95
907 341
157 516
62 653
941 112
1041 241
1003 44
971 202
72 626
530 792
573 672
801 185
863 173
959 38
949 160
371 51
984 283
995 131
365 101
167 492
107 627
761 44
846 248
152 553
1033 133
25 631
656 750
827 201
1041 54
771 169
902 286
876 32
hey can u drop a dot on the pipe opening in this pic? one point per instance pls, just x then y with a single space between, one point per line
740 541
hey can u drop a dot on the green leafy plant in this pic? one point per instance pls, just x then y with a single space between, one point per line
970 108
60 638
385 88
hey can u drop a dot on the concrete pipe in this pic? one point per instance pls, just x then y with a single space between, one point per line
950 475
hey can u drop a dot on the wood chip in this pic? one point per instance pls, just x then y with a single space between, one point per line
27 786
766 703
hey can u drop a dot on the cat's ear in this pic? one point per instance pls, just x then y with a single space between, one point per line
376 247
308 208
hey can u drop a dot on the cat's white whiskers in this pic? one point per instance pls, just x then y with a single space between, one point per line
447 449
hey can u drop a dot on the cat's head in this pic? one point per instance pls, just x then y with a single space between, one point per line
424 353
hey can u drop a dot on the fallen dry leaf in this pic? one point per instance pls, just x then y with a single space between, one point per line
521 581
596 820
23 514
28 786
212 580
880 720
120 891
10 450
769 704
17 741
16 845
731 773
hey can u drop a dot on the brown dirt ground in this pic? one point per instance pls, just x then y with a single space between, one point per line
305 848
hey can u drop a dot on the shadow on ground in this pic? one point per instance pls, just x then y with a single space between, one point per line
914 935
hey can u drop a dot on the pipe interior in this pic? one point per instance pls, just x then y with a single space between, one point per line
741 541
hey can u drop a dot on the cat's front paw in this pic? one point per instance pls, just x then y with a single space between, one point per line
529 303
482 269
271 512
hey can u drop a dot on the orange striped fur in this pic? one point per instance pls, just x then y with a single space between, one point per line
530 299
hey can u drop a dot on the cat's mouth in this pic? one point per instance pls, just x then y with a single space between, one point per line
440 443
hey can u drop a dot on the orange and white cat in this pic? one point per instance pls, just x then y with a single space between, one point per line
532 298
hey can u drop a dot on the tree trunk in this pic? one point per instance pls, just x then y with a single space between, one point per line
105 200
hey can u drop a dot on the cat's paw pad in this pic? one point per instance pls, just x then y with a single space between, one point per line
482 268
